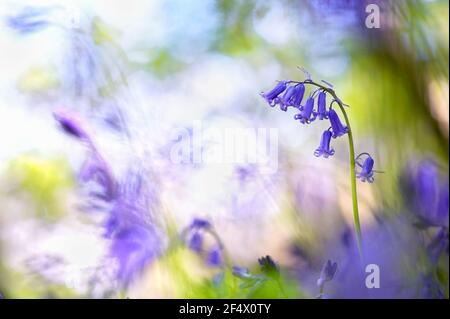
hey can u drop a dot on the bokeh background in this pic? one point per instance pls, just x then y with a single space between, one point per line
134 71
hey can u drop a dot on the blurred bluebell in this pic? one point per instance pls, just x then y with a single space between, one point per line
241 272
195 242
70 124
269 267
324 147
134 247
328 271
198 223
214 257
30 19
422 183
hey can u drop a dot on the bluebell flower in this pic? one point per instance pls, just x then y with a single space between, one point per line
134 247
96 171
195 242
214 257
269 267
70 124
285 100
322 106
306 114
250 280
324 147
429 202
272 96
241 272
337 127
199 223
327 274
366 173
297 97
31 19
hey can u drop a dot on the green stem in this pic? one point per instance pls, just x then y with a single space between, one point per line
356 221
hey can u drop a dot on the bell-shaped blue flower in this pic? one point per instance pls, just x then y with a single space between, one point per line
285 100
322 106
297 97
366 173
272 96
306 114
337 127
324 147
195 242
214 257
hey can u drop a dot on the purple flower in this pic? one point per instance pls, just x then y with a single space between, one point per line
199 223
96 170
366 173
322 106
70 124
324 147
30 19
285 100
269 267
429 198
272 96
297 97
134 247
241 272
336 125
327 274
214 257
306 114
195 242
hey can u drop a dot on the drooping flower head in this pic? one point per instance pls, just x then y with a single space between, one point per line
194 237
337 127
324 147
366 172
71 124
269 267
30 19
425 191
214 257
272 96
327 274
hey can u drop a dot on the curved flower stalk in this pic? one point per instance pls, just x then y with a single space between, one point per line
293 97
